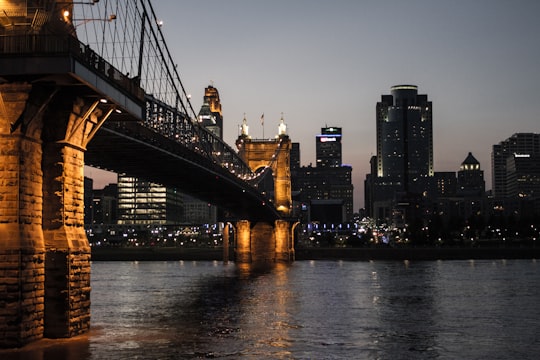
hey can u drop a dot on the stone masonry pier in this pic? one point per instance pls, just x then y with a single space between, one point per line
44 253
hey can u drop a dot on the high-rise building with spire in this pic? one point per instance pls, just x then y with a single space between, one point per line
210 115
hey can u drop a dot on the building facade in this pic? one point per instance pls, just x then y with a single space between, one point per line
405 138
522 144
141 202
470 178
403 166
322 189
328 147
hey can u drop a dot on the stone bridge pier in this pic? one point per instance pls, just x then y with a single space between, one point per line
264 242
44 252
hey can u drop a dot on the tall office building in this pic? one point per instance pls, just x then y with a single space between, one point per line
328 147
404 162
328 186
520 143
405 138
141 202
523 176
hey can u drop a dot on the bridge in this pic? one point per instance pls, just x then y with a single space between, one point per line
90 82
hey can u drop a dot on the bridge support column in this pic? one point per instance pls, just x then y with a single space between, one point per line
264 242
284 241
67 257
22 251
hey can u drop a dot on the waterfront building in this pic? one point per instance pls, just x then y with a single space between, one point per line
523 144
314 184
405 138
402 171
142 202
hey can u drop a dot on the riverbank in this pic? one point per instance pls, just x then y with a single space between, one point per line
363 254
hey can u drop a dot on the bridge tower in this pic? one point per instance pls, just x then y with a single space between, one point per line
263 241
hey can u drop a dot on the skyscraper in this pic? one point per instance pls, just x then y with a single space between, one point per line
405 138
519 143
328 147
404 162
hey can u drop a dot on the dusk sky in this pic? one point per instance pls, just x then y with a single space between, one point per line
328 63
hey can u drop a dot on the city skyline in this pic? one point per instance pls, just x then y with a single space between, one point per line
327 64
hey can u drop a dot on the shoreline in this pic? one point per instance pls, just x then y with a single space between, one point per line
302 254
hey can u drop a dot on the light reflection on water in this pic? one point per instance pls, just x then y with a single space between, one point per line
307 310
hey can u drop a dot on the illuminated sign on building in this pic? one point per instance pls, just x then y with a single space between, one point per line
327 139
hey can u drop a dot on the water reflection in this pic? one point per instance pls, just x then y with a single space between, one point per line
405 302
318 309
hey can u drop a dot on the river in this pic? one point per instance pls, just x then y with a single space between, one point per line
481 309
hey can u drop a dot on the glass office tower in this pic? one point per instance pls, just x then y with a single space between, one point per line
405 139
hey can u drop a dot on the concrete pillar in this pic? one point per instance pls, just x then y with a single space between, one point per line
67 258
243 242
22 251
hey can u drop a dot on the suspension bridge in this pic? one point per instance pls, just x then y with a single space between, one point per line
93 82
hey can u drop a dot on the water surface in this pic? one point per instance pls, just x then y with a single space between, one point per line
308 310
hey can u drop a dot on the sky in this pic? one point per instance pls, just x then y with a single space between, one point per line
327 63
